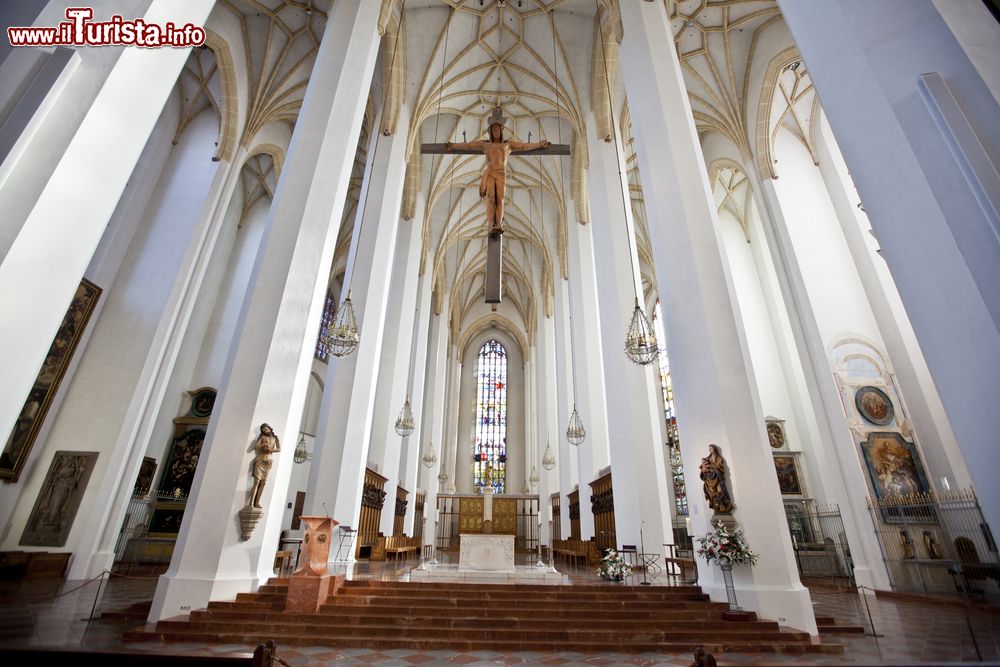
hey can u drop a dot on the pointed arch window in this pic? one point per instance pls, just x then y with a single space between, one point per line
322 351
673 441
491 416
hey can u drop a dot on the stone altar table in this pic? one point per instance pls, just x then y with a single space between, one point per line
486 553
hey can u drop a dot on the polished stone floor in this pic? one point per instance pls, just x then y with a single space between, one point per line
55 613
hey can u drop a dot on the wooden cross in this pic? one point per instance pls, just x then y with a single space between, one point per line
494 250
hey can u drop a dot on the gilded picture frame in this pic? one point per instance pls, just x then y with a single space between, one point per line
874 405
43 391
895 470
787 470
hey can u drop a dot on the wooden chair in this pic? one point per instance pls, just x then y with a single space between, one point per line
283 562
673 558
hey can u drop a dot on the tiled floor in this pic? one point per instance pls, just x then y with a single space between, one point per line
52 613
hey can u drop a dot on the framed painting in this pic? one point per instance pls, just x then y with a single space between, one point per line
144 481
776 433
182 461
895 470
874 405
59 499
788 475
166 518
36 406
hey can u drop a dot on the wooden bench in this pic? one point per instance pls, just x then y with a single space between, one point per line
395 546
576 551
33 565
402 545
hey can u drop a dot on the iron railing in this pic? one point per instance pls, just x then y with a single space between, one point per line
937 543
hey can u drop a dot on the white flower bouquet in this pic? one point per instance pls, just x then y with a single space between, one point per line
613 566
725 547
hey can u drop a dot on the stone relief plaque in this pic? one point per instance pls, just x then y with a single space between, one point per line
59 499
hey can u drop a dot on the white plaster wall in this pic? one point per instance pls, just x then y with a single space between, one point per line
231 293
919 393
209 335
767 363
467 412
838 297
103 385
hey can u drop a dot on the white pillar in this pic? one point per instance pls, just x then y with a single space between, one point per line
394 368
642 501
594 453
549 421
268 368
415 444
432 419
717 399
565 453
923 165
48 256
459 454
337 475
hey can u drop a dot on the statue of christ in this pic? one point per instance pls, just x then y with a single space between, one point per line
494 181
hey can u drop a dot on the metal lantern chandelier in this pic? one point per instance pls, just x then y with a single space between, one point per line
301 454
575 433
640 339
430 457
342 337
548 459
404 423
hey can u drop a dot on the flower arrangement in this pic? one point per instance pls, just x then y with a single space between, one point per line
725 547
613 566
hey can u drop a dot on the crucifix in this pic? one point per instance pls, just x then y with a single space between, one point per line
493 186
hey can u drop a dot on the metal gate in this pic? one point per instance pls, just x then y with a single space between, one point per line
822 552
937 543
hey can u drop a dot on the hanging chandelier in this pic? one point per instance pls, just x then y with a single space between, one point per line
640 339
342 337
575 433
534 476
301 451
548 459
430 457
404 423
442 477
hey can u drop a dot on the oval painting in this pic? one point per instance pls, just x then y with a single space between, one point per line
874 405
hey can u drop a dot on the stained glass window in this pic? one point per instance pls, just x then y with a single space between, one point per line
491 416
329 309
673 442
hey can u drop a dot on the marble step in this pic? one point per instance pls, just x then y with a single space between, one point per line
382 642
453 585
497 632
675 621
521 595
450 603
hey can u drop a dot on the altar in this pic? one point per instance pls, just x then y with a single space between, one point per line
486 553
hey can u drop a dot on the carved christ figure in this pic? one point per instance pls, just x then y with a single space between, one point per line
494 181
